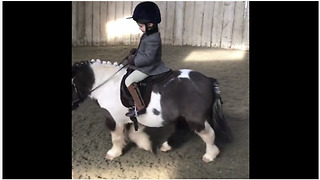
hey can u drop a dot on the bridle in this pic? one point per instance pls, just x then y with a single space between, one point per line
80 97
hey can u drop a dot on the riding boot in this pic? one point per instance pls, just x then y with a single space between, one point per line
139 105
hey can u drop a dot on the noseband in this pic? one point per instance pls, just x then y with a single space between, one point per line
80 97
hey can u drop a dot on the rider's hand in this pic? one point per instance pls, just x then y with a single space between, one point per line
131 59
133 51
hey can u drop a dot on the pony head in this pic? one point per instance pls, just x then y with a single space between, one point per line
81 82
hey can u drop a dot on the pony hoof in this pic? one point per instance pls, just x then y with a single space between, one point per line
207 158
149 149
146 147
165 147
109 157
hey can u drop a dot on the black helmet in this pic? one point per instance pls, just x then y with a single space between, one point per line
147 12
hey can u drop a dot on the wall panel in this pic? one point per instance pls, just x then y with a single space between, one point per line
223 24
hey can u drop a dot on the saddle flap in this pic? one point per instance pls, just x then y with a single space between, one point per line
145 87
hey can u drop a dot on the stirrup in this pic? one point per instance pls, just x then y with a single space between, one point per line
132 112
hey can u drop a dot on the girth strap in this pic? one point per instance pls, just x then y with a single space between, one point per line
135 123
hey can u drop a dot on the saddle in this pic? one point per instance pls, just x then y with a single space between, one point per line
145 87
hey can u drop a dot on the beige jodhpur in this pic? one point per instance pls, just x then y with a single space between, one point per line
136 76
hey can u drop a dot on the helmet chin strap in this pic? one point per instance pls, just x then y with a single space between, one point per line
149 25
152 29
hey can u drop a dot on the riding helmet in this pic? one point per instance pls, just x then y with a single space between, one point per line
146 12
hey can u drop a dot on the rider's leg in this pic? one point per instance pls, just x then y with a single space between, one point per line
131 83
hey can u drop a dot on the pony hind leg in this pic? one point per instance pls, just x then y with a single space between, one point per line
208 136
178 135
165 147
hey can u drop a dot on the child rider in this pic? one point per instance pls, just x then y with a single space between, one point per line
147 58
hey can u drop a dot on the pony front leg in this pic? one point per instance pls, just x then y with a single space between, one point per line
140 137
118 142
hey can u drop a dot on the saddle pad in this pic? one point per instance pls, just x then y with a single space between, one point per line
145 87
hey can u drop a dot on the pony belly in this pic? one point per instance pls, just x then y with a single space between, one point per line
153 116
150 120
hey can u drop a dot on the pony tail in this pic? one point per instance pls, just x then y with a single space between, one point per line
219 123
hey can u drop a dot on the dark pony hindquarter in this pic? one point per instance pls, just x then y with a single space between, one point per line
190 98
195 99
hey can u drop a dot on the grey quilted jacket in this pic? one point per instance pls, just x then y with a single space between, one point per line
148 58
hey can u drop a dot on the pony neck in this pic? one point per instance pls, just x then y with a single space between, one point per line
106 75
